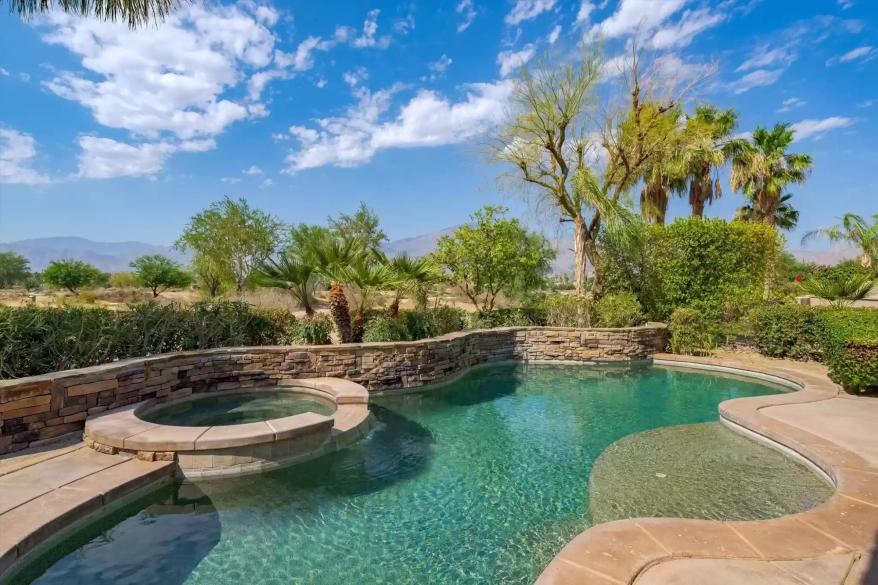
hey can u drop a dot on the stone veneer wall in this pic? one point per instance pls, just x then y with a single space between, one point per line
39 408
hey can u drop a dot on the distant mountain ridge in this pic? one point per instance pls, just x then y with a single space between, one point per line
116 256
107 256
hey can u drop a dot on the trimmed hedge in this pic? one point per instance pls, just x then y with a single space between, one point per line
846 340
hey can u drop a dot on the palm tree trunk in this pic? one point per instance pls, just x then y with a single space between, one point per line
394 307
341 316
580 256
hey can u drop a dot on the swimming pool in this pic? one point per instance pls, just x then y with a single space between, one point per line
479 481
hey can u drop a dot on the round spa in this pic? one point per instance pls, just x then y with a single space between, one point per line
238 431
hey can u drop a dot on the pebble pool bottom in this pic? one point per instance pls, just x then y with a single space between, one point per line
480 481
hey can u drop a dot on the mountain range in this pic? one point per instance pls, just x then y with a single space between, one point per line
116 256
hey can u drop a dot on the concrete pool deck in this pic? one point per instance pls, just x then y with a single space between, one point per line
835 543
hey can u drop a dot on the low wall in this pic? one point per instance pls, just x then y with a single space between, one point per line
40 408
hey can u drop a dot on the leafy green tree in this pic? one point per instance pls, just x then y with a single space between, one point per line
234 237
292 274
762 168
14 269
71 275
122 280
136 13
159 273
785 215
493 255
558 123
213 277
854 230
363 228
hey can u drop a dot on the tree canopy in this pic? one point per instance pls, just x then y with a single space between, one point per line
493 255
71 274
159 273
14 269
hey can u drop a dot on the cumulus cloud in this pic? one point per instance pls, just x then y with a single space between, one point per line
266 184
427 119
816 128
866 53
584 13
253 170
553 36
17 151
466 10
528 9
105 158
356 76
631 15
510 61
758 78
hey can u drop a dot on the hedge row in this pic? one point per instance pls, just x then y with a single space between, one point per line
846 340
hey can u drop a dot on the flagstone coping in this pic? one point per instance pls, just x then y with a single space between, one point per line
212 451
834 543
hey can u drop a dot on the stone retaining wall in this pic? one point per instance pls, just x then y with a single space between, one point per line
39 408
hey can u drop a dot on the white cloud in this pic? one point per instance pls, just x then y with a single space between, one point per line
866 53
253 170
427 119
584 12
510 61
17 149
104 158
845 4
672 69
230 180
370 29
683 32
528 9
4 72
465 9
758 78
320 83
553 36
166 79
808 128
632 15
355 76
266 184
442 64
867 103
791 104
405 25
766 57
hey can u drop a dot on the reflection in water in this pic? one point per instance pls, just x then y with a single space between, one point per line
480 481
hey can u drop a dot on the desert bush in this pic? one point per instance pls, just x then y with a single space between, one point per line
692 331
434 322
123 280
619 310
788 331
386 328
314 330
522 317
568 310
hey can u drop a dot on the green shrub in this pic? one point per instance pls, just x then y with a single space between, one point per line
692 332
619 310
788 331
850 348
568 310
433 322
523 317
313 330
386 328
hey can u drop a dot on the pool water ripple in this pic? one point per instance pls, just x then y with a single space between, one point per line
480 481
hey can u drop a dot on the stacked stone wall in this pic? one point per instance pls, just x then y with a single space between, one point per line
38 409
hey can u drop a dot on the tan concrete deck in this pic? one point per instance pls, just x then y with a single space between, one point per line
835 543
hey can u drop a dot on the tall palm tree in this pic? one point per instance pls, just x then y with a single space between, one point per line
853 229
413 276
328 254
667 174
761 168
707 136
785 215
288 272
366 276
135 12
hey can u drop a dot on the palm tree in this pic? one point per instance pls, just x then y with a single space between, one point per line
707 136
136 12
327 254
413 276
853 229
366 275
761 168
839 291
288 272
785 215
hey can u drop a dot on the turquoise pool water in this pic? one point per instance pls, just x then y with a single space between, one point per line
252 405
481 481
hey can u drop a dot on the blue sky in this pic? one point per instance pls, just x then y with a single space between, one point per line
307 108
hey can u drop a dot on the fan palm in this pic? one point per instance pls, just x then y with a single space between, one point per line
853 229
328 254
299 278
367 276
413 276
839 291
135 12
785 215
761 168
707 137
